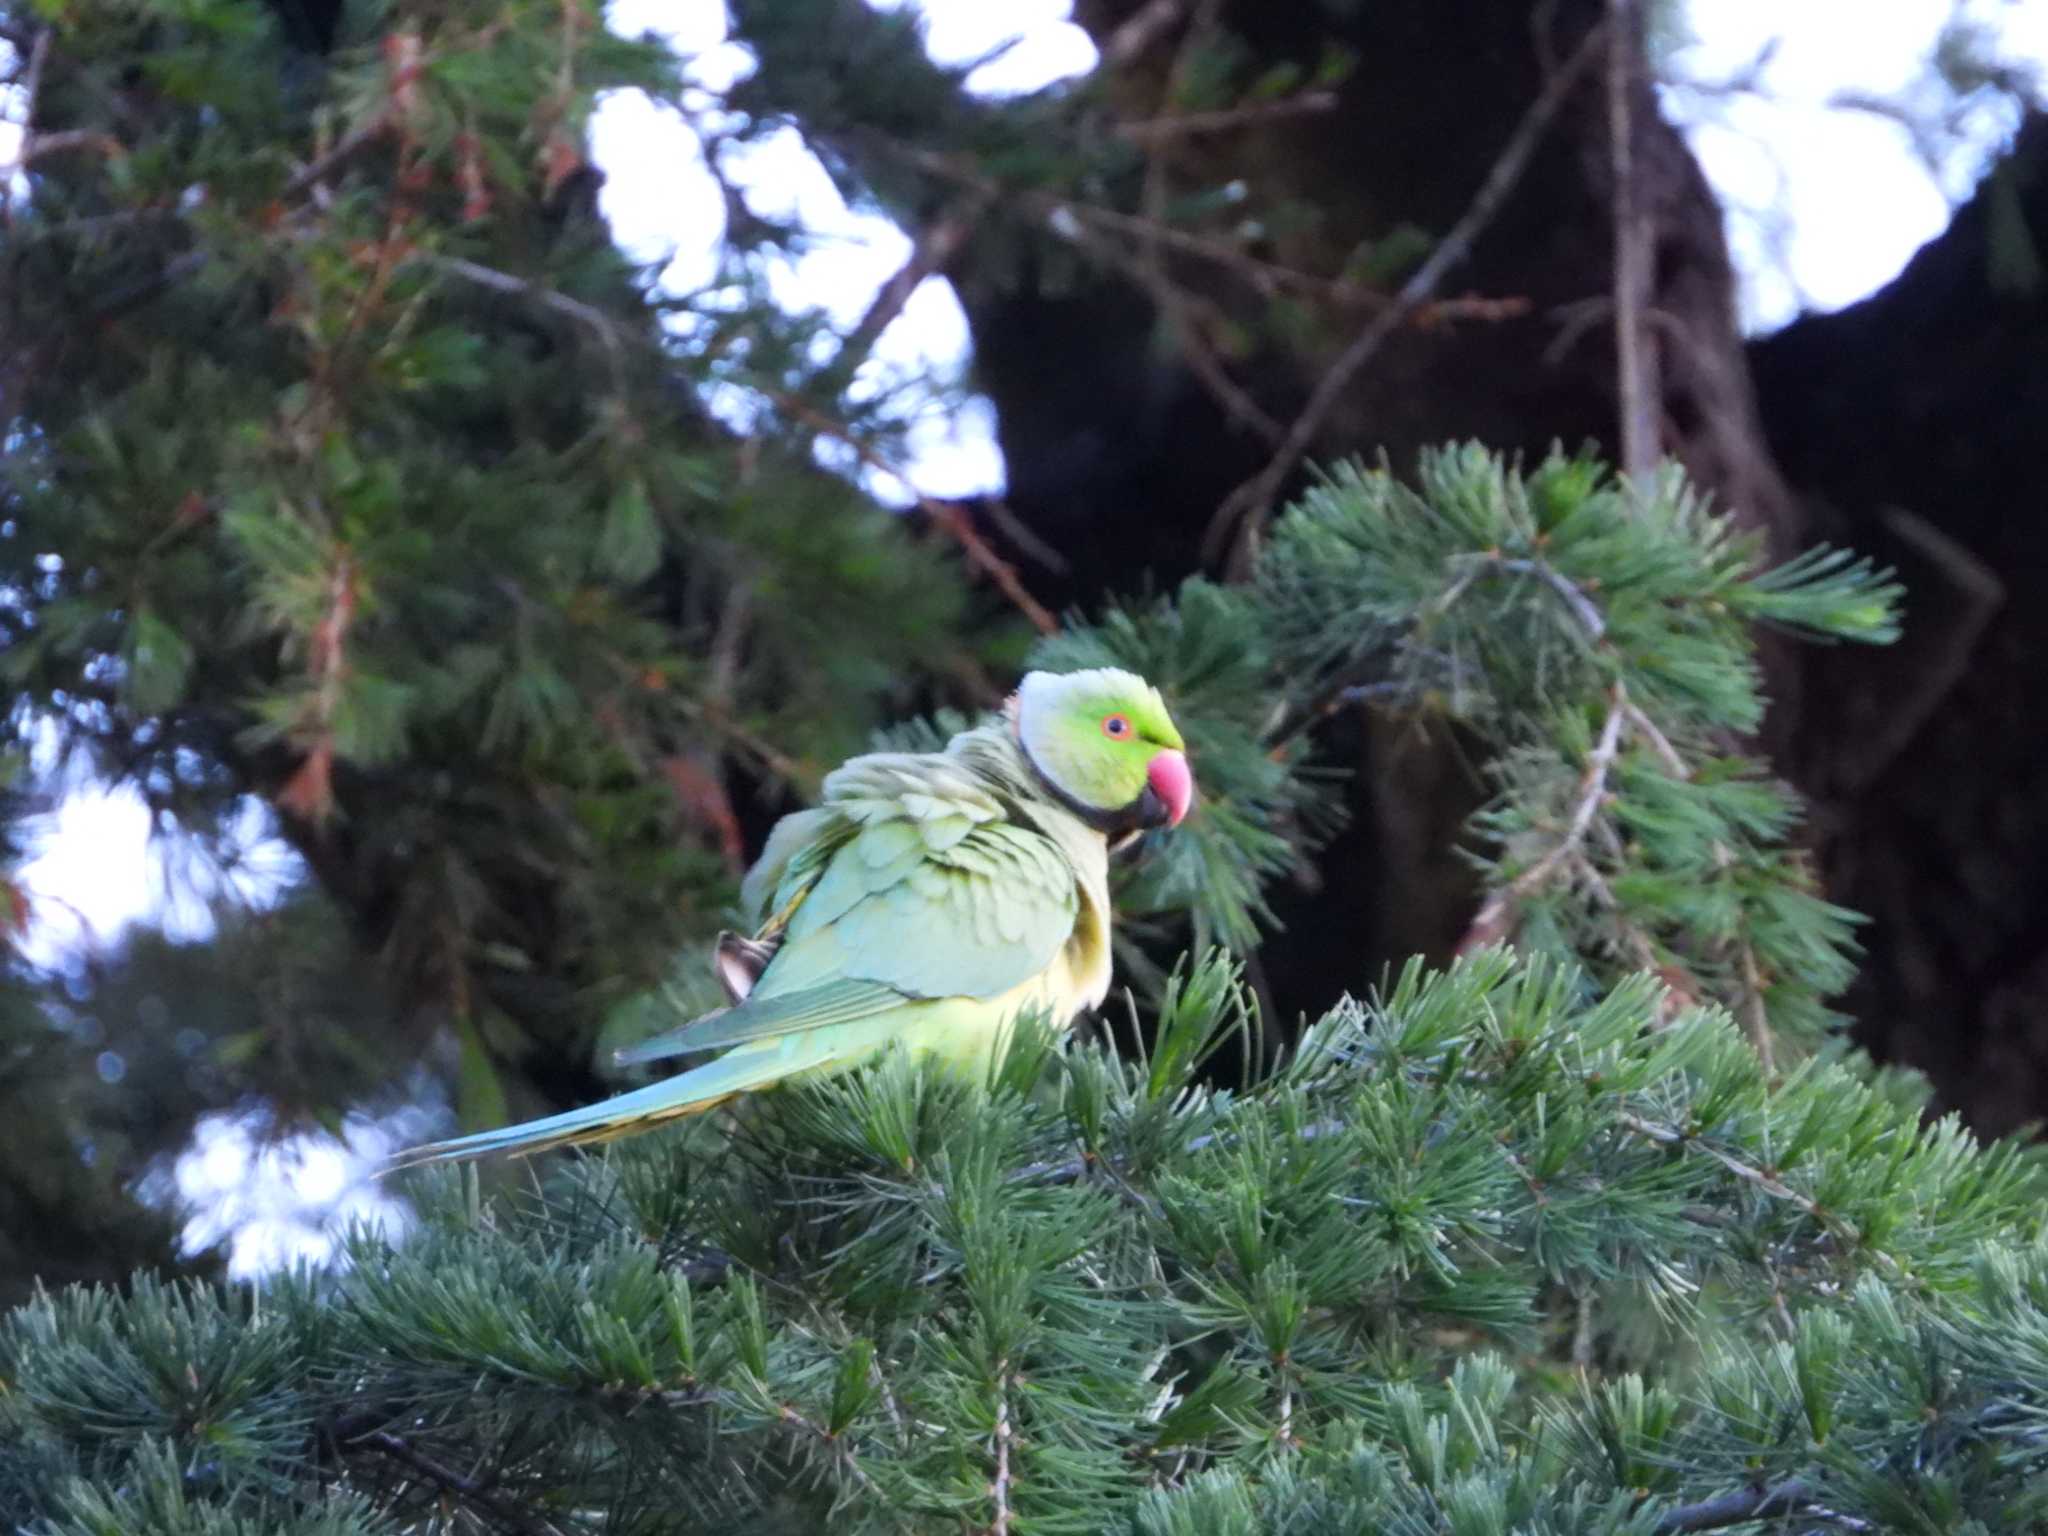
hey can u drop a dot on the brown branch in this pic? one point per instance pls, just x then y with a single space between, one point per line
1145 26
1000 1490
933 251
949 518
451 1481
1150 268
351 145
1756 1022
1770 1184
1496 917
603 325
1634 234
1187 124
36 145
32 81
1745 1504
31 89
1983 593
1262 276
1247 505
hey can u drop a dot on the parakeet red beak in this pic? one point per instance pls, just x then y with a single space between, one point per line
1168 776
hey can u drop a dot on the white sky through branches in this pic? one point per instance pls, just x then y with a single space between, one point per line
1825 204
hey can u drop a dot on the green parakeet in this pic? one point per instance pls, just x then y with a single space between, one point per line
928 901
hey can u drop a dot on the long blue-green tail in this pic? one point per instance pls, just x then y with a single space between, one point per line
690 1093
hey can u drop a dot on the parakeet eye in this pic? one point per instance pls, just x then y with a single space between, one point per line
1116 727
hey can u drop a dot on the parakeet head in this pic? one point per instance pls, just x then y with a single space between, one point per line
1103 743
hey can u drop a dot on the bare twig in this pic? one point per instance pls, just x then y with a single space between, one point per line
1150 269
840 1447
933 251
1846 1231
1022 535
24 149
1749 999
1496 916
1588 873
1355 686
602 325
351 145
1660 744
1737 1508
949 518
1583 608
451 1481
1269 277
1145 26
1000 1490
1247 505
1187 124
1983 593
1264 277
1634 235
1177 307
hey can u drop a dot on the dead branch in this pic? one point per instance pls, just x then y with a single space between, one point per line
1496 917
1226 119
31 88
323 166
1145 27
948 518
1150 268
933 251
448 1480
1634 236
1000 1490
1983 594
1792 1497
1247 506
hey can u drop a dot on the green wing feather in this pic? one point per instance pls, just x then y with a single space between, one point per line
904 893
897 910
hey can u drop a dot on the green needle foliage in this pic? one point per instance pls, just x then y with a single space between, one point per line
1596 638
1488 1253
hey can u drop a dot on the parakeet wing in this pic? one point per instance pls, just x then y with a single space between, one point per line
901 895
